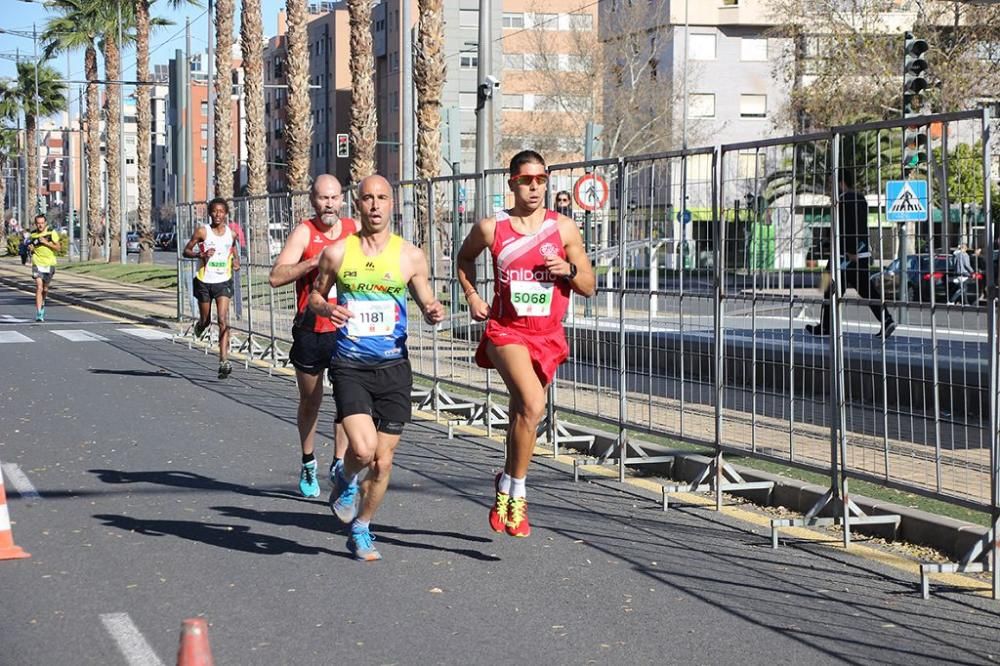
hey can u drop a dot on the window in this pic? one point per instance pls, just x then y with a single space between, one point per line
513 102
468 18
204 108
546 21
702 47
513 61
701 105
753 106
581 22
467 100
468 61
575 63
204 131
204 154
546 103
753 48
512 20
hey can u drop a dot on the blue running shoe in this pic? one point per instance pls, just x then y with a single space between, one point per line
308 485
362 546
344 499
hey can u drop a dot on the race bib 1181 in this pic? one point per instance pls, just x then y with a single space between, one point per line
371 318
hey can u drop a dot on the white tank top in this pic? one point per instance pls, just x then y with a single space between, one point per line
219 267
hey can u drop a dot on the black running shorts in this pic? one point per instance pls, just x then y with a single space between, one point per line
311 351
208 292
383 392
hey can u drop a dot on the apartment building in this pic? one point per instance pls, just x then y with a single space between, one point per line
329 34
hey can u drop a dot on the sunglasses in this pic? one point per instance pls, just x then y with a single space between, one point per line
528 178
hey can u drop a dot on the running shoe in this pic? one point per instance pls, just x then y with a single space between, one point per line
517 518
225 369
40 315
199 328
308 484
362 546
344 497
498 514
333 470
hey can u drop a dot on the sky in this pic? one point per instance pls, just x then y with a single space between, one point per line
19 15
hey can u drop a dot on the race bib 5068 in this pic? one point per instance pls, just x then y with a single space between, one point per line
531 299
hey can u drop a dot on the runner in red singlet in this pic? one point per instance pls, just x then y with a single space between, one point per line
538 258
313 338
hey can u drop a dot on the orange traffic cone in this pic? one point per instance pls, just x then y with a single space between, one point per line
194 650
8 551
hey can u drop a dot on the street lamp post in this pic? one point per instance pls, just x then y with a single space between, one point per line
122 227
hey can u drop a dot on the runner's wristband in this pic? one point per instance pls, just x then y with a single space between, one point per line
572 272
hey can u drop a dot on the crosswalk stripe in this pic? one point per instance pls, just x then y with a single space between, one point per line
77 335
147 333
13 336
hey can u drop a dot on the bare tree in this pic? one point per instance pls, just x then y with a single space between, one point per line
844 61
612 76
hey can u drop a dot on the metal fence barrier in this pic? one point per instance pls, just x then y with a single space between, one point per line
710 263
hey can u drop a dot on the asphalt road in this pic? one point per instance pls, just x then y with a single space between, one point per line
165 493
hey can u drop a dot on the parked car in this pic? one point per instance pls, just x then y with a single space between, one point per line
921 278
132 243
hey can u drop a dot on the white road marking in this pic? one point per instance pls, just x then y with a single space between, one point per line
74 335
19 480
131 642
13 336
147 333
9 319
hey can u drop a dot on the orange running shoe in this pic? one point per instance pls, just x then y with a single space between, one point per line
517 517
498 514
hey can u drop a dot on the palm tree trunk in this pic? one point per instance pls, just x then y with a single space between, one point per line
364 123
31 143
112 123
224 98
3 196
143 144
95 226
298 138
429 73
252 38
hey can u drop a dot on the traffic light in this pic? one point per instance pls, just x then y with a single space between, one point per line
915 139
343 145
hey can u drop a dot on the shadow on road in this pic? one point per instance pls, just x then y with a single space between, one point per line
230 537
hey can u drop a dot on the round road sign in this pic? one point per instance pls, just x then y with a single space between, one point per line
590 192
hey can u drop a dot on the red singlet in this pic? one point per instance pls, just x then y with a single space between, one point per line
318 241
529 303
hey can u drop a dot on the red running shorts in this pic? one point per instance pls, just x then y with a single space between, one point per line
547 349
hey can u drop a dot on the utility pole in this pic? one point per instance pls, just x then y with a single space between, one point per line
67 192
488 84
189 134
38 143
210 164
122 227
84 188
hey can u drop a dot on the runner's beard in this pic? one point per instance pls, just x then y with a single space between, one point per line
329 218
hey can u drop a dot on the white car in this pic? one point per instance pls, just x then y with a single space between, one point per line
132 243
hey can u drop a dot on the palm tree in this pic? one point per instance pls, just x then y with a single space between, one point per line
79 28
364 123
51 99
112 120
8 150
298 137
144 23
429 74
252 42
223 110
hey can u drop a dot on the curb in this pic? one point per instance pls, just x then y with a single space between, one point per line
90 305
952 537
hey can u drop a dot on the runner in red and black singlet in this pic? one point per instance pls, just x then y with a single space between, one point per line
313 339
538 259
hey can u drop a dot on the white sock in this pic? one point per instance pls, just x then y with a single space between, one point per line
517 488
360 525
504 485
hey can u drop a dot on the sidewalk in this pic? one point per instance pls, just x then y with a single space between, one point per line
157 307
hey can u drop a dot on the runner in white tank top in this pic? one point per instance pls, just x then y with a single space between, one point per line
214 246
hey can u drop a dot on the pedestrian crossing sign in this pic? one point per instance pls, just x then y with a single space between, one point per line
906 201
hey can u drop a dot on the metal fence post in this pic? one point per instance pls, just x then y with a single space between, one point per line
719 314
622 378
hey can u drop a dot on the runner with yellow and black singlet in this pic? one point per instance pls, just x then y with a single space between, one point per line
370 368
43 243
